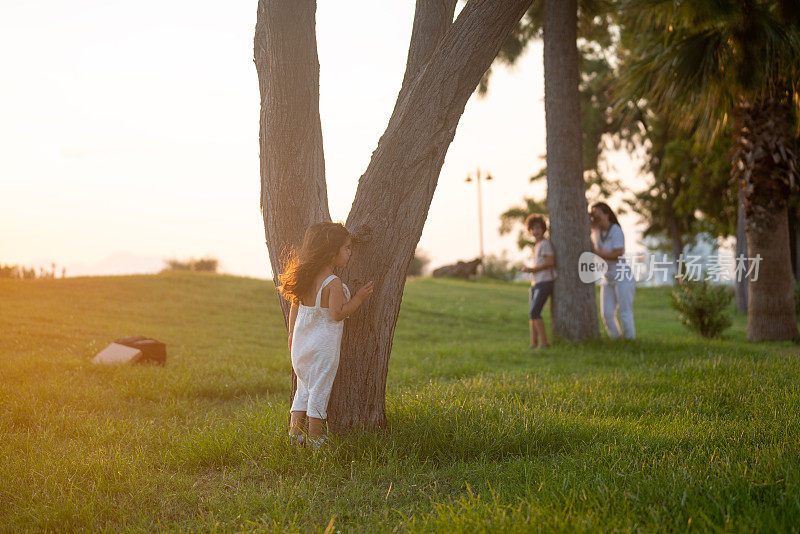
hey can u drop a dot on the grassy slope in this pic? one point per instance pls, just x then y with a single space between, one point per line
667 431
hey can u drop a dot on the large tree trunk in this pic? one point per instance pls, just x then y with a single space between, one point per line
794 239
741 252
575 309
395 192
765 162
293 192
771 312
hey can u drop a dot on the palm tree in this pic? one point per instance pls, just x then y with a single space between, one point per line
690 191
706 63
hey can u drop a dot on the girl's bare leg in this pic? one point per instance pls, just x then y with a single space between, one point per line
316 427
297 424
534 334
540 331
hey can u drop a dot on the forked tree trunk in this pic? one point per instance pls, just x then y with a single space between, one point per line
394 195
766 164
395 192
575 309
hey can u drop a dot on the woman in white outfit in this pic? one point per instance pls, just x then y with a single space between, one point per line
619 286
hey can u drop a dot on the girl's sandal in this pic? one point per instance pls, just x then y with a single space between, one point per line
298 440
317 443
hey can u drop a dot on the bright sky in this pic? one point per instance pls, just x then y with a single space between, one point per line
129 132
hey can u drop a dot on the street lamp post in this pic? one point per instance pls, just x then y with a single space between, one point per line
477 178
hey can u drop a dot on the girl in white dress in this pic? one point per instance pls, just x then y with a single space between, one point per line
320 303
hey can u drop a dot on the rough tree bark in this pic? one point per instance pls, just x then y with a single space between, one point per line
395 192
794 238
432 19
575 308
293 192
767 167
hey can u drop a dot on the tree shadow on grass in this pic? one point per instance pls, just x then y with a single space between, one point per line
427 443
658 350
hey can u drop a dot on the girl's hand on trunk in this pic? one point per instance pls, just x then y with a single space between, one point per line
365 292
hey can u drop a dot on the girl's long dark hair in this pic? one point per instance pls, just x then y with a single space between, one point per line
321 244
605 208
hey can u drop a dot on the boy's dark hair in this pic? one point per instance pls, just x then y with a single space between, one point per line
534 220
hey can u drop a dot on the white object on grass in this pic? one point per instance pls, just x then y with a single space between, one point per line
116 353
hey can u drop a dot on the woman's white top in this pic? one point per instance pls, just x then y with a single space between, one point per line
607 241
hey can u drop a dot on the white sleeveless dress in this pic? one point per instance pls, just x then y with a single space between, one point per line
316 344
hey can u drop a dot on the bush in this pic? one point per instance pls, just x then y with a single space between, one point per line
418 263
29 273
702 307
500 267
206 265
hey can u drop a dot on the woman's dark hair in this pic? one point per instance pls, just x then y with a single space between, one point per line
602 206
321 244
534 220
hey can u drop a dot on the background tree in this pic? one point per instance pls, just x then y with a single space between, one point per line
599 128
574 306
596 53
570 147
514 217
446 61
705 62
418 263
690 192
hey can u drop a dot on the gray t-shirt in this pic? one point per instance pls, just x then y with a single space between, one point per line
543 248
608 241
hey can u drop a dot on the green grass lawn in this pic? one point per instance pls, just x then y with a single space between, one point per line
668 432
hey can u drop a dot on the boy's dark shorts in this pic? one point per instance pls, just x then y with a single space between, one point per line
539 294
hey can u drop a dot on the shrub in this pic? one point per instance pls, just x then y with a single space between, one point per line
499 267
207 265
418 263
702 307
28 273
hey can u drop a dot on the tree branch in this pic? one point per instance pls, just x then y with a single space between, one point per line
432 19
293 192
